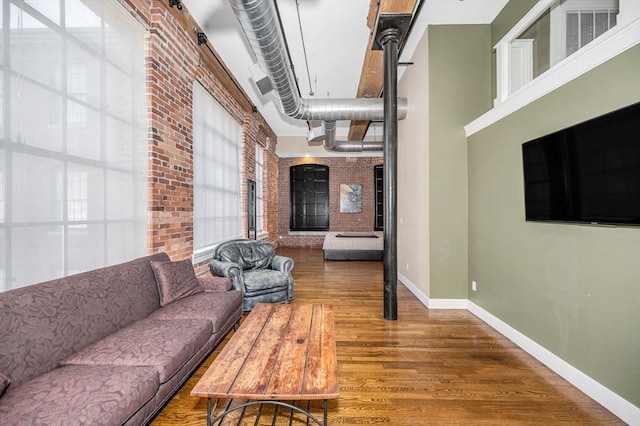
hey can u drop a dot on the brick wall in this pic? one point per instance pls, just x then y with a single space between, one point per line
173 61
342 170
271 189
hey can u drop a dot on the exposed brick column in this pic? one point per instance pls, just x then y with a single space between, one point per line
173 62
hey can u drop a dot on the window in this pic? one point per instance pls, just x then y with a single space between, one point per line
2 167
309 197
260 231
251 210
581 25
521 74
558 32
217 214
378 182
72 138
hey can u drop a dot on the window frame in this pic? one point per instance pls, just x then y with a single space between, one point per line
293 226
251 210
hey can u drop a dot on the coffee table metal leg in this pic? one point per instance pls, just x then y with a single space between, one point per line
326 406
275 416
293 403
211 420
211 410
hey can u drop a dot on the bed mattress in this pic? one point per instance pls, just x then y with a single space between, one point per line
353 246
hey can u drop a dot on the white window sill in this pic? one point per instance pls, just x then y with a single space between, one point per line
204 254
308 233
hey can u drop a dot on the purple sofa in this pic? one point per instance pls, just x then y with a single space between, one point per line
109 346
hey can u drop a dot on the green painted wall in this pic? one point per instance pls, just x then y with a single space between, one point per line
573 289
459 91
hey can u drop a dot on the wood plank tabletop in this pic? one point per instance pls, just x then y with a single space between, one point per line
280 352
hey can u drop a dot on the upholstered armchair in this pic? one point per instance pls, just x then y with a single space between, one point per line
255 270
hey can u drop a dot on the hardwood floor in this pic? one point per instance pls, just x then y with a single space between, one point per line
430 367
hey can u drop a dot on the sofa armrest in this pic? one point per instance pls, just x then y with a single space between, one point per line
282 263
214 284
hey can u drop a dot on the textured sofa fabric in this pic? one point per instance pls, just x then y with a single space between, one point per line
218 308
175 280
255 270
97 347
166 345
4 383
81 395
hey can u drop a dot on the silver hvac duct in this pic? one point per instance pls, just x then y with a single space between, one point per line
331 144
259 22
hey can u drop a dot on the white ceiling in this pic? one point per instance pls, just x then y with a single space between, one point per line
335 36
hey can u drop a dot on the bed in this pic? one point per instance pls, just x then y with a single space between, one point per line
353 246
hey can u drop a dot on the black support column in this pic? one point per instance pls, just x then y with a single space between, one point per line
391 30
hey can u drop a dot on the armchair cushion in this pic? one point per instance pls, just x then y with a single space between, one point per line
175 280
261 280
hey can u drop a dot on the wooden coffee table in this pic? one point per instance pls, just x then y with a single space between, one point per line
280 353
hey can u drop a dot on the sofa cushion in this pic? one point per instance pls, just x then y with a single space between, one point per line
216 307
4 383
175 280
165 345
80 395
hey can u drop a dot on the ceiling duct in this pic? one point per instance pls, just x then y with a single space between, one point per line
331 144
259 22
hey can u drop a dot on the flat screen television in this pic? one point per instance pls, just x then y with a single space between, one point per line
587 173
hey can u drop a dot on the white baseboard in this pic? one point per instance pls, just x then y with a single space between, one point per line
413 289
619 406
432 303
